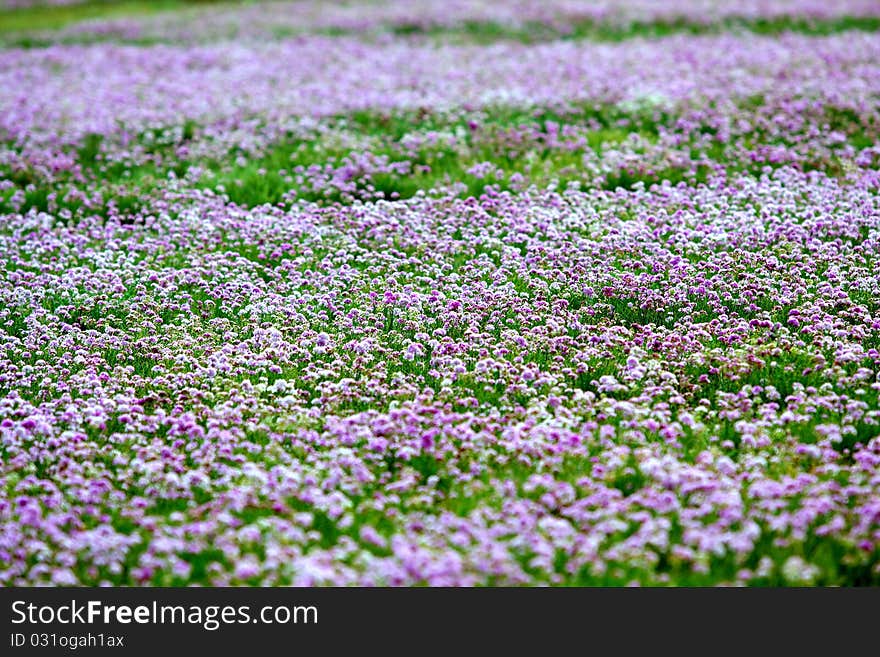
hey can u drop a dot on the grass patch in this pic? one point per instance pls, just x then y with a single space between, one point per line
23 26
53 17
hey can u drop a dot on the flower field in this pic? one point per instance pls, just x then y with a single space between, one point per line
440 293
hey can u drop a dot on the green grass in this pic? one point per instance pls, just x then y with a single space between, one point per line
266 179
485 32
47 17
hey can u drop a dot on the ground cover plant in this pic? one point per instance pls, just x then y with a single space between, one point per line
397 294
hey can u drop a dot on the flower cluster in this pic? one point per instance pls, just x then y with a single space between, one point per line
345 311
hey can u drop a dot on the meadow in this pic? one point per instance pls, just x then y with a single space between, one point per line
440 293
